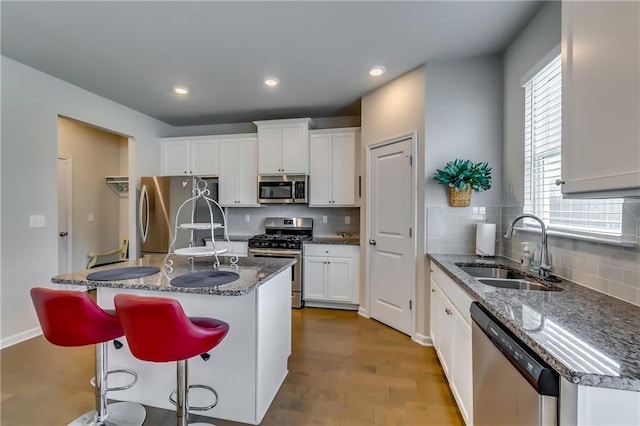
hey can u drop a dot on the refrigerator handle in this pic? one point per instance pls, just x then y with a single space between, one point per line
144 202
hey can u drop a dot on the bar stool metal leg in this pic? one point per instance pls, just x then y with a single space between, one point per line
117 414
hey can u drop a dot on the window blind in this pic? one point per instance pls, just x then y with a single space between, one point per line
542 163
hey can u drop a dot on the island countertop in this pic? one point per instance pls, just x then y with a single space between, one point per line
253 272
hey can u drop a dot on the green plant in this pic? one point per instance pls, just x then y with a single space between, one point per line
460 174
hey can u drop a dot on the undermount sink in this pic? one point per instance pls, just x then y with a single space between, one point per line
516 284
487 272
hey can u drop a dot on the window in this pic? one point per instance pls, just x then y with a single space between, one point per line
542 163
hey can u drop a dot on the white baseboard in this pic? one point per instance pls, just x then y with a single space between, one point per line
20 337
423 340
363 312
329 305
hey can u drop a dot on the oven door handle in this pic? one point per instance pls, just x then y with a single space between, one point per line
276 252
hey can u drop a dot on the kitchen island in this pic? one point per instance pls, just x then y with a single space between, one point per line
246 369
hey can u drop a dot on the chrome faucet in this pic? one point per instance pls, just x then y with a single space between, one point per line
545 261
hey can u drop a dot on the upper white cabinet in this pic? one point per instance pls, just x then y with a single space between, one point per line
601 98
333 177
238 177
189 156
283 146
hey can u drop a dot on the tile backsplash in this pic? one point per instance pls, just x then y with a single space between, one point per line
453 229
606 268
336 218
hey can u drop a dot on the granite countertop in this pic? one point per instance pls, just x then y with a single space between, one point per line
334 240
253 271
589 338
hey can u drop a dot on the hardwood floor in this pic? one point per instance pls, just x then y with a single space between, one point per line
345 370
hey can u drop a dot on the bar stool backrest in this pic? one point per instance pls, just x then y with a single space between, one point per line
72 318
158 330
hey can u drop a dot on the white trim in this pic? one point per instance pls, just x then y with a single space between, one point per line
613 241
423 339
363 312
20 337
557 50
330 305
69 185
413 136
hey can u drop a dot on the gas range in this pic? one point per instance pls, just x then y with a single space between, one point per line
287 233
284 238
278 241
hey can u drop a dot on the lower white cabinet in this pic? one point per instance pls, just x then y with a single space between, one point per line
331 275
451 336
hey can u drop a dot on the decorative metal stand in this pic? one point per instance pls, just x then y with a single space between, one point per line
200 192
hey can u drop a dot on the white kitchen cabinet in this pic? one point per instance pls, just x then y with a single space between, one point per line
451 336
601 99
333 179
189 156
283 146
331 275
238 178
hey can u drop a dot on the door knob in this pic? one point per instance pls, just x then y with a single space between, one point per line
372 242
63 233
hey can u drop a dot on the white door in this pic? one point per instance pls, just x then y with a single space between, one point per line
175 158
392 253
294 152
64 215
204 157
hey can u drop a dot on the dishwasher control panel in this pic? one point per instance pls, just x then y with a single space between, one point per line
535 370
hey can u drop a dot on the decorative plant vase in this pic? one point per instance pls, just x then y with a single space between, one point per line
460 198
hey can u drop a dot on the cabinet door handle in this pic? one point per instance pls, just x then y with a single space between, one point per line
433 290
448 311
559 182
372 242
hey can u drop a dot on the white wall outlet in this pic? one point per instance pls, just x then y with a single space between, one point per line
324 219
247 218
36 221
92 218
347 220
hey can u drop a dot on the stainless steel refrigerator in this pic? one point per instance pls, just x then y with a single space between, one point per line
160 198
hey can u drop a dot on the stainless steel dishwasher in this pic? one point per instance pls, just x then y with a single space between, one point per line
511 385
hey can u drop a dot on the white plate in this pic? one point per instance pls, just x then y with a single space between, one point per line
205 225
198 251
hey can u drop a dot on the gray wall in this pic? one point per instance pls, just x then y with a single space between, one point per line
538 38
394 109
610 269
234 128
31 104
463 120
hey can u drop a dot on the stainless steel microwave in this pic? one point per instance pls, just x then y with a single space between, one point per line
286 189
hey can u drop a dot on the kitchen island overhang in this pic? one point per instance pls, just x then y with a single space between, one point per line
249 365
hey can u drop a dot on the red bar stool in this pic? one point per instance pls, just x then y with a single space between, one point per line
158 330
72 318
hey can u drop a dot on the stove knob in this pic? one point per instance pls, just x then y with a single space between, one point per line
283 245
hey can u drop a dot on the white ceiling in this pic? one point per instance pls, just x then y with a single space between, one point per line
135 52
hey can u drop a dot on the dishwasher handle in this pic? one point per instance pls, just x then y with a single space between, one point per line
538 373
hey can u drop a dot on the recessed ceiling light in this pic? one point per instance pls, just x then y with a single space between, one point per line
376 71
181 90
271 81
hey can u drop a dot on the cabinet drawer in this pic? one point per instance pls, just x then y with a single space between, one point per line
331 250
459 297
